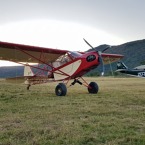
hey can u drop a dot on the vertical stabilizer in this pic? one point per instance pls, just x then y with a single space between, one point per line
121 65
28 71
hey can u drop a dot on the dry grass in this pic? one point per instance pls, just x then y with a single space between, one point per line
116 115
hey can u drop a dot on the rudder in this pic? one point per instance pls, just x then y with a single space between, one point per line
28 71
121 65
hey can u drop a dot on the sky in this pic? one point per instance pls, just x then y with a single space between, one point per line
63 24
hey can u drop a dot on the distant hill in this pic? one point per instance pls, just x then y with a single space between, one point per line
134 55
134 52
11 71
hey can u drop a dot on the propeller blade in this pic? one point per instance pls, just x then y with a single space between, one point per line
102 63
106 48
88 43
103 68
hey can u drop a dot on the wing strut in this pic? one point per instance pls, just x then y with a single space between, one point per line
61 72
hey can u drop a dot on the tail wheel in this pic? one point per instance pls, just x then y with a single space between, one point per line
93 88
61 89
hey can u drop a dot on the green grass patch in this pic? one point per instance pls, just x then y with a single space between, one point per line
114 116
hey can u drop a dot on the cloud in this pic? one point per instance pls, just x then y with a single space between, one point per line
55 34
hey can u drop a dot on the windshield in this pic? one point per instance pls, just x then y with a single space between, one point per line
74 54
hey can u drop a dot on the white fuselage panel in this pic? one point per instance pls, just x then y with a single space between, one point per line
69 70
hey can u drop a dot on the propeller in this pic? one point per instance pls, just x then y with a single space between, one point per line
89 44
100 55
107 47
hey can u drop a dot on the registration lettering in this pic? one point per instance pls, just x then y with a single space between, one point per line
141 74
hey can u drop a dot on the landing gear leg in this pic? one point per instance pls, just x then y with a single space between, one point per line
93 87
76 81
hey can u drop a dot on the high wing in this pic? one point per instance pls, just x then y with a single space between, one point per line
29 54
109 58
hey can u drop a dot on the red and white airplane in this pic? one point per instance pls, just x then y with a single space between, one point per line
56 65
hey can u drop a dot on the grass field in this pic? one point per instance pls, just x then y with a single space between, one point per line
114 116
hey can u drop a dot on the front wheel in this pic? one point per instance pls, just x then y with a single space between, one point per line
61 89
93 88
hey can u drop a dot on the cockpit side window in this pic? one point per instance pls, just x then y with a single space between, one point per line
66 58
62 60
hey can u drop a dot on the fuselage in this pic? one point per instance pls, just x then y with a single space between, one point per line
76 65
133 72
